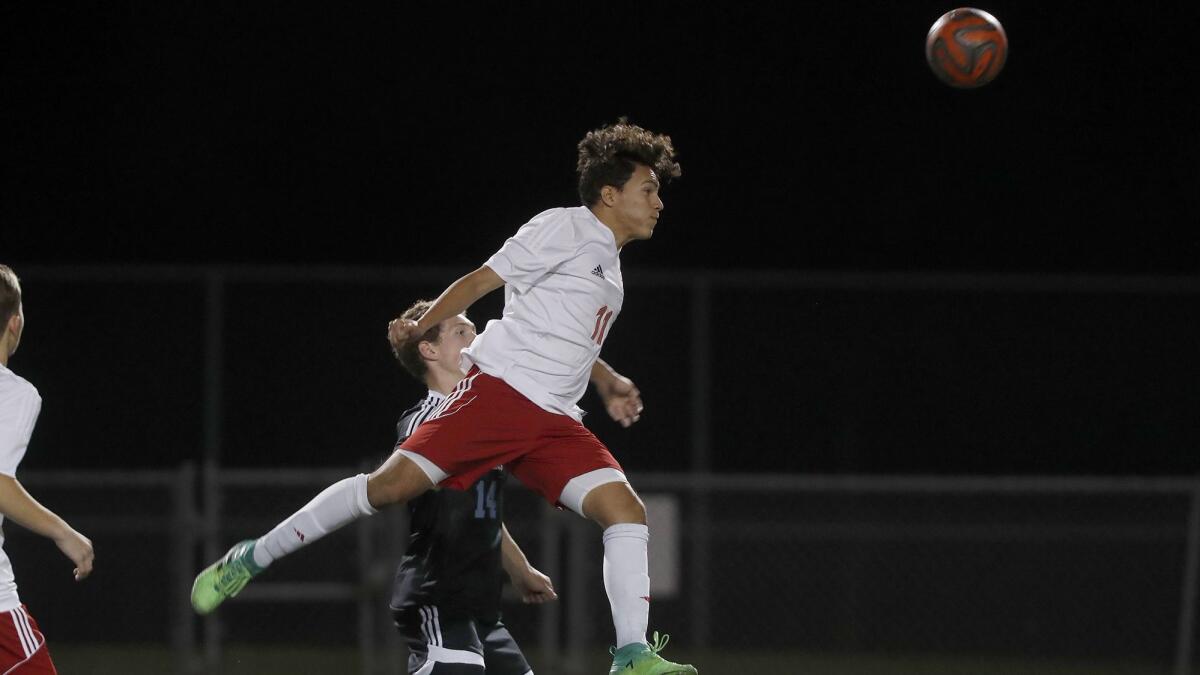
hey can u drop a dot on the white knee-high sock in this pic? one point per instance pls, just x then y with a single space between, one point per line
339 504
627 580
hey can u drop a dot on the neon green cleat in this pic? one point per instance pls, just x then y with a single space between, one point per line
641 659
224 578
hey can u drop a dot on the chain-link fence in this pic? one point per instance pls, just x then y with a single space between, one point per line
775 571
836 574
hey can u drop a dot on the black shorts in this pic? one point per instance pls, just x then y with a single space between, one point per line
458 646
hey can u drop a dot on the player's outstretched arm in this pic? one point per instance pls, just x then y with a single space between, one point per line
534 587
18 505
621 398
453 301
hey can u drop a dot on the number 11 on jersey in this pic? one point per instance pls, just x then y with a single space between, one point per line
603 315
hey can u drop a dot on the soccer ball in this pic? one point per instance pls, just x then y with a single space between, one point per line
966 48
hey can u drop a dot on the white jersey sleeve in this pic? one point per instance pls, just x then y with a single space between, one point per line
563 292
540 246
19 408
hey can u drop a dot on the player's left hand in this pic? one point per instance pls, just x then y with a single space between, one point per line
534 587
622 400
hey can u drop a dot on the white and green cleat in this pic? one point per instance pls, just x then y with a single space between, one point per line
225 578
643 659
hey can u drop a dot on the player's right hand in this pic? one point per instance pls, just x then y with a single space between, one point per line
79 549
401 332
534 587
621 399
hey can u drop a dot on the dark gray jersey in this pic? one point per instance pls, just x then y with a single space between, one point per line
453 557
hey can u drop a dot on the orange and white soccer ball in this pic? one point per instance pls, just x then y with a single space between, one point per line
966 48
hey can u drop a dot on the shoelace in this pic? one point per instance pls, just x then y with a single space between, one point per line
659 643
233 575
657 646
231 578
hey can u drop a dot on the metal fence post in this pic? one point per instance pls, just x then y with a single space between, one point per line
701 400
580 627
367 630
214 363
550 613
211 488
1187 608
185 536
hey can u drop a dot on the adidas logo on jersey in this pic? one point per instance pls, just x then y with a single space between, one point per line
598 272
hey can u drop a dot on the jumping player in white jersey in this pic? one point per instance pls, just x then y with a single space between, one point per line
22 645
518 404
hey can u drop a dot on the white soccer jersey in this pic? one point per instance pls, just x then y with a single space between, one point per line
19 408
562 294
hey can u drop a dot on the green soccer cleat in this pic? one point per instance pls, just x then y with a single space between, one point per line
224 578
642 659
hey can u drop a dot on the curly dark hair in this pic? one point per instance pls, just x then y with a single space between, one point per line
409 355
10 294
609 155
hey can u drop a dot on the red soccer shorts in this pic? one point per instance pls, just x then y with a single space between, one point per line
22 645
484 423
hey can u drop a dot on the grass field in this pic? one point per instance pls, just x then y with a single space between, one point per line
298 660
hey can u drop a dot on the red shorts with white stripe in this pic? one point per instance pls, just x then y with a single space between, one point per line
484 423
22 646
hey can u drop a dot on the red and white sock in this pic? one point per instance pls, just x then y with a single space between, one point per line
627 580
337 506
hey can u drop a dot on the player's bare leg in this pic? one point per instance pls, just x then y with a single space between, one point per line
398 480
613 504
618 509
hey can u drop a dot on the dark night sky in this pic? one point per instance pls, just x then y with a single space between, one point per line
812 135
